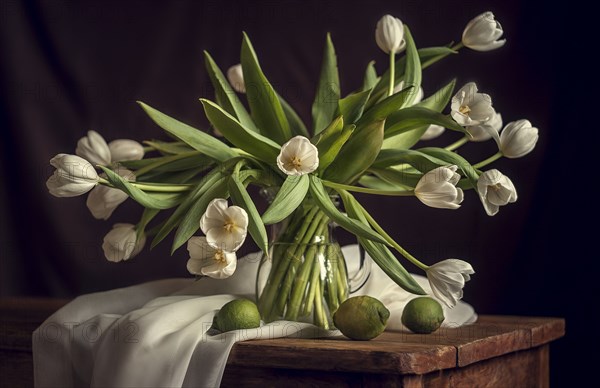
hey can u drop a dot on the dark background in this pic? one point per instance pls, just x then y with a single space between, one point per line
71 66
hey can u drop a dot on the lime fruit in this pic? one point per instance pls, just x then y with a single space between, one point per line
237 314
361 318
423 315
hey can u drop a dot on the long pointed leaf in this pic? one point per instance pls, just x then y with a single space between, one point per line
296 124
191 222
328 92
381 254
288 198
412 74
195 138
256 144
414 117
453 158
436 102
356 155
418 160
319 194
149 200
370 79
353 105
265 107
241 198
227 97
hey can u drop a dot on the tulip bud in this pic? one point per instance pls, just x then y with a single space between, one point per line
482 33
103 200
437 188
94 149
125 149
235 75
73 176
518 139
495 190
432 132
389 34
447 279
121 243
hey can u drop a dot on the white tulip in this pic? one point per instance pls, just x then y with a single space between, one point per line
225 227
488 130
298 157
389 34
432 132
125 149
518 139
73 176
482 33
470 107
103 200
418 97
235 75
447 279
437 188
495 190
94 149
121 243
208 261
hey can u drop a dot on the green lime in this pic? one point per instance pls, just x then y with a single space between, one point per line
423 315
361 318
237 314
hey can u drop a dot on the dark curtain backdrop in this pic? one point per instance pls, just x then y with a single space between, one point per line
71 66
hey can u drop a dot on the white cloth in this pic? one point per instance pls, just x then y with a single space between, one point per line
155 334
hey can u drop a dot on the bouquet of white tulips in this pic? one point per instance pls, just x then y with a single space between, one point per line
363 142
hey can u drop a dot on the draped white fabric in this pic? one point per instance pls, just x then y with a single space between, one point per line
155 334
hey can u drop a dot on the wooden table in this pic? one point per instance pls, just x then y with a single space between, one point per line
497 351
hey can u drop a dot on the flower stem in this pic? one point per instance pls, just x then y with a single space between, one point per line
398 193
391 241
392 73
457 144
489 160
162 189
458 46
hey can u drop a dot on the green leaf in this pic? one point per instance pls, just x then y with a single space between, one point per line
195 138
353 105
319 194
149 200
356 155
436 102
191 222
412 74
296 124
176 147
329 150
384 108
252 142
288 198
384 258
427 56
208 181
453 158
419 160
373 182
266 108
328 92
241 198
398 178
414 117
227 97
370 78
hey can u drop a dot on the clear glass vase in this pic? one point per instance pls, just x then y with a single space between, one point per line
304 276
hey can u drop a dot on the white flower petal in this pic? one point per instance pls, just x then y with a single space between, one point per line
214 215
125 149
73 176
94 149
298 157
447 279
495 190
121 243
235 75
432 132
437 188
389 34
482 33
518 139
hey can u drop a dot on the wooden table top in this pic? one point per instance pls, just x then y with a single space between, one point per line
392 352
